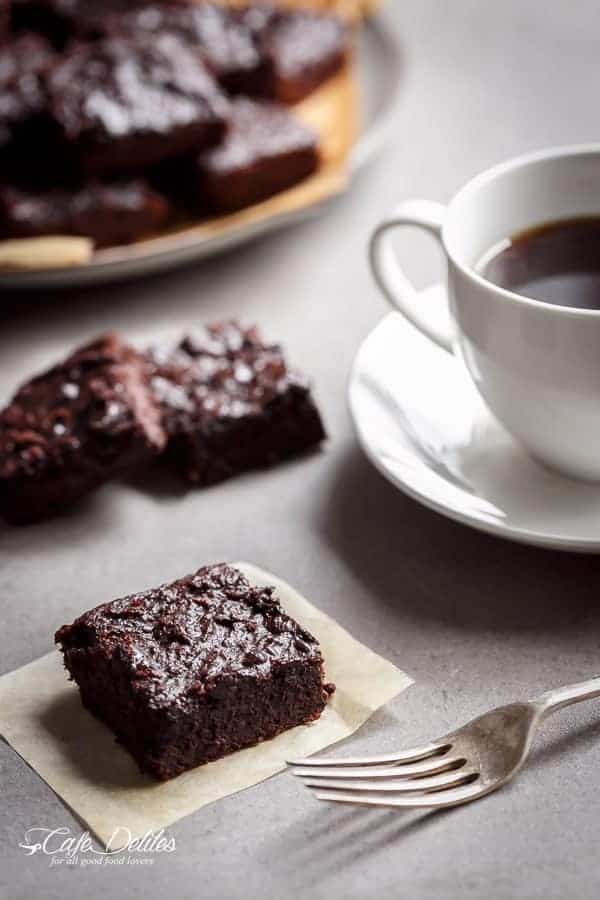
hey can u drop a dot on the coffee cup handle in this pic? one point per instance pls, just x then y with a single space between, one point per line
389 276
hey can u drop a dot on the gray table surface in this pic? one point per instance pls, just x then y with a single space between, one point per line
474 620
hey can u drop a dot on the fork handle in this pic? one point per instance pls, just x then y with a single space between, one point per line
552 701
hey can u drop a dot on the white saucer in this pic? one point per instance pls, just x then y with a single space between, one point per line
421 422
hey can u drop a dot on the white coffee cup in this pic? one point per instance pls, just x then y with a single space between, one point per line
536 365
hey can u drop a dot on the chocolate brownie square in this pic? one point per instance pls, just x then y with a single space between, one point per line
66 432
304 50
217 34
126 104
300 49
189 672
230 403
256 50
116 213
266 150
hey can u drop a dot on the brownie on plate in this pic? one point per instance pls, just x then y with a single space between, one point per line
303 50
230 403
66 432
191 671
126 104
217 34
113 213
256 50
266 150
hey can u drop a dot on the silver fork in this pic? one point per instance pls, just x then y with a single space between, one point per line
464 765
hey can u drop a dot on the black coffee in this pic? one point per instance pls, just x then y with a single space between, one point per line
558 263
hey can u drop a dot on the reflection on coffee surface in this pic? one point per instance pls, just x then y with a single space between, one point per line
558 263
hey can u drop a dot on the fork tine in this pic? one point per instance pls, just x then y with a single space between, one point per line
436 800
397 785
390 759
432 766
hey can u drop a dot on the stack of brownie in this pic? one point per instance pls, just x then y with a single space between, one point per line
118 117
219 403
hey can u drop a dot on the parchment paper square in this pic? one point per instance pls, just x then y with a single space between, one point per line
42 718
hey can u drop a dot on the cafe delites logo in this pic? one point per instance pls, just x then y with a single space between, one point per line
63 848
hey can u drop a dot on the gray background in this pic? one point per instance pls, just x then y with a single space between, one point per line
474 620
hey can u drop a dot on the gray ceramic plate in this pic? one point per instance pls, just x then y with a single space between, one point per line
379 62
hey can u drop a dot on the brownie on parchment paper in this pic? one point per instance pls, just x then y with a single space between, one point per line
189 672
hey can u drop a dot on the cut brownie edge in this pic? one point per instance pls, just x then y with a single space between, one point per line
164 750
